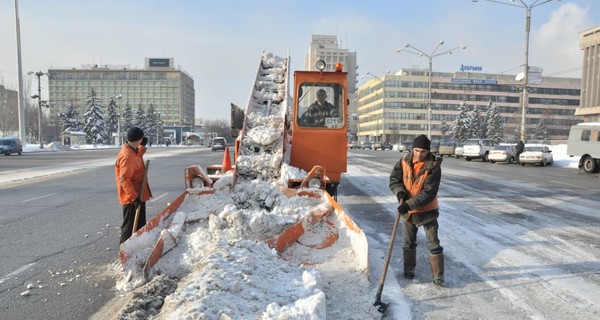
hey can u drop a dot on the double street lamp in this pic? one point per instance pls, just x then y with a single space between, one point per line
118 141
411 49
527 7
41 103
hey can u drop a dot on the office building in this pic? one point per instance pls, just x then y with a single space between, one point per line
326 48
9 119
589 42
168 88
394 107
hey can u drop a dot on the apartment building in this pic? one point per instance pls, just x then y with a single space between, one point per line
394 107
589 42
168 88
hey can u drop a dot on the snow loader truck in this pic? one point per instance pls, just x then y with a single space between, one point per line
273 150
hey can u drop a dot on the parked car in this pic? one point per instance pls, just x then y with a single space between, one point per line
405 146
356 145
503 153
383 145
478 149
447 149
218 144
536 154
459 150
366 145
11 145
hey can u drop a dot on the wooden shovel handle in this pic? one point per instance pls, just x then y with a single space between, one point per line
139 208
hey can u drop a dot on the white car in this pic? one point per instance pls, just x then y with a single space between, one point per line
503 153
536 154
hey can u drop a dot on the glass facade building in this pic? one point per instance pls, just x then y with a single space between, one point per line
394 108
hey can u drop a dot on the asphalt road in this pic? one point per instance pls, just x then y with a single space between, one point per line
520 242
60 233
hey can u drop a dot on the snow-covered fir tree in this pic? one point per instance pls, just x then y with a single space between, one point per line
127 120
541 130
69 118
460 130
486 117
495 126
112 120
94 126
139 119
151 123
476 124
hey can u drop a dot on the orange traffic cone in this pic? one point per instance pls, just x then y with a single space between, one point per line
226 164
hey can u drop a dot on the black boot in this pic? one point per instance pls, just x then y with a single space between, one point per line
410 262
437 268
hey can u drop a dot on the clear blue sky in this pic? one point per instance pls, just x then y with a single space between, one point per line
219 42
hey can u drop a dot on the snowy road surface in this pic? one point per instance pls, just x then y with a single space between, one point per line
516 247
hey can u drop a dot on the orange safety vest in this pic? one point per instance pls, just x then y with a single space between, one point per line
414 178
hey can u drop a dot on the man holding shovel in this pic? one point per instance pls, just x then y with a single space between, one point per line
132 185
415 181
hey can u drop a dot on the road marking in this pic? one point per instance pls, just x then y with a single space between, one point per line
16 272
162 195
40 197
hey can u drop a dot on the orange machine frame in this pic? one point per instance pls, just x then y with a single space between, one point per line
320 146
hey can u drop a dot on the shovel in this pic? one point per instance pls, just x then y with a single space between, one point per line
139 208
381 306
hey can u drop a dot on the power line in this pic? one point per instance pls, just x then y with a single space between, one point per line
564 71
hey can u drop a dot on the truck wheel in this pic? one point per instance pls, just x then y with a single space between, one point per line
590 165
468 159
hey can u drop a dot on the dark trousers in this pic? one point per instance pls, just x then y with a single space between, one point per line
129 218
431 233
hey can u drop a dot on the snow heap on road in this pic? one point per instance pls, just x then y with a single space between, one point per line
224 268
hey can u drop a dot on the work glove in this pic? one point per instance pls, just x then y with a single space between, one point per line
137 202
403 208
400 196
144 141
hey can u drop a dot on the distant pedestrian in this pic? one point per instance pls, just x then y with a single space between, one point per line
129 174
415 181
519 150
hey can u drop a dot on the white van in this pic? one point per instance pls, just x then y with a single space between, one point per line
584 142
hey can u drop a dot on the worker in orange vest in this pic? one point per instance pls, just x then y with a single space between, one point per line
129 174
415 181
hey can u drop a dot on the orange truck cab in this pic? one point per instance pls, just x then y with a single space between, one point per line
322 144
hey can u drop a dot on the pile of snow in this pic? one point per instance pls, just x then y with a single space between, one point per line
223 266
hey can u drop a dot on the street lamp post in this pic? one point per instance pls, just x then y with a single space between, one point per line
38 96
158 130
433 54
527 7
118 97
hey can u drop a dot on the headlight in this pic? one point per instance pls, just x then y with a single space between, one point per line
320 65
314 183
